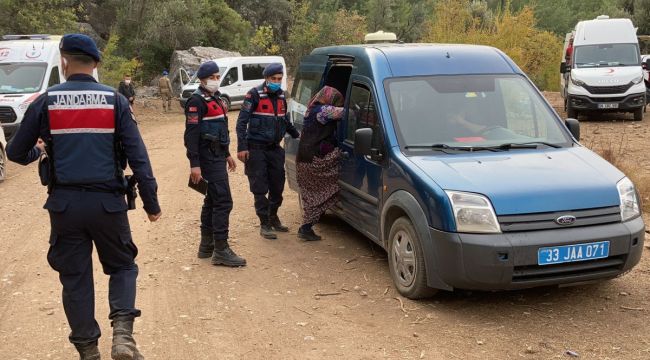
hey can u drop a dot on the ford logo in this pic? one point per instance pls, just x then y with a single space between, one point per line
565 220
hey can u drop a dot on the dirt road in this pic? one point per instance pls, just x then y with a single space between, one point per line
270 309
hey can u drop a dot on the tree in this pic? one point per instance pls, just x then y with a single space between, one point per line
37 16
403 17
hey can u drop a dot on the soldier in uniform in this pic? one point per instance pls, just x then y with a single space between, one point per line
165 87
207 140
89 134
263 121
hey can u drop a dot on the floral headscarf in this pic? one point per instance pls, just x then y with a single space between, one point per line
326 96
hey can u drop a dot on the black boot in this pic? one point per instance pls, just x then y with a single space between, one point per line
124 347
307 233
207 245
223 255
276 224
266 230
88 351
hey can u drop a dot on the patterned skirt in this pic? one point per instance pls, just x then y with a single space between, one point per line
318 183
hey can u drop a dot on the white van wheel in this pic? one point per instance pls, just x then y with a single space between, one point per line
638 114
406 261
226 101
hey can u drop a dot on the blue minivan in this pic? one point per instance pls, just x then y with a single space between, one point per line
455 163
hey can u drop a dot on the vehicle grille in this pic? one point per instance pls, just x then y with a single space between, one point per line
187 93
608 89
601 267
7 115
608 99
546 221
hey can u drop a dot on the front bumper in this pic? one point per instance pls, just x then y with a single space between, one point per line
509 260
10 130
624 103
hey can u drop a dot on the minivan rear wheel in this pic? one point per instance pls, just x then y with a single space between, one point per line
406 260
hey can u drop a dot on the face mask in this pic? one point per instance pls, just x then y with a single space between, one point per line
274 87
212 85
127 82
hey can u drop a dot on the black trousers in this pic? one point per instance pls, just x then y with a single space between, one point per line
265 171
217 204
78 219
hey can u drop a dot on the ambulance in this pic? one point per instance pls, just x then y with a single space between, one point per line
29 64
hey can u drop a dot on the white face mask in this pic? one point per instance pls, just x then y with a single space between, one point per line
212 85
127 82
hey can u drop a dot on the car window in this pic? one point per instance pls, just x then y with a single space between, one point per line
522 113
362 113
54 77
231 77
253 71
306 88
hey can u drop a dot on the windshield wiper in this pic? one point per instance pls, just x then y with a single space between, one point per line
443 147
527 145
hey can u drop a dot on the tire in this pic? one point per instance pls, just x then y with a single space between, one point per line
226 101
3 163
638 114
406 261
571 113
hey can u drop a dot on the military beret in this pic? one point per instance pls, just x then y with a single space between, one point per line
165 72
80 44
206 69
272 69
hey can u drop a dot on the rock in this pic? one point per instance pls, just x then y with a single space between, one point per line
146 92
191 59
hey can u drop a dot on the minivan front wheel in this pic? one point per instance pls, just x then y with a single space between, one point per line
406 260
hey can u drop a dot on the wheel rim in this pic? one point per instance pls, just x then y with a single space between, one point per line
403 253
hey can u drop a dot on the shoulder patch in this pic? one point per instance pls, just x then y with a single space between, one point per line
193 109
248 95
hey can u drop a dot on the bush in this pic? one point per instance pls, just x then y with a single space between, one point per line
113 67
535 51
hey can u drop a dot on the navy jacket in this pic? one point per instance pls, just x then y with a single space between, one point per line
263 118
206 115
36 124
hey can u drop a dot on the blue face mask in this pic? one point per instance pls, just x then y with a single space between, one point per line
274 87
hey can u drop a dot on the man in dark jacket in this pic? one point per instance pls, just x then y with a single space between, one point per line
90 135
127 89
263 121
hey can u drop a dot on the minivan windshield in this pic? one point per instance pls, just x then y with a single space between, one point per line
21 78
472 112
604 55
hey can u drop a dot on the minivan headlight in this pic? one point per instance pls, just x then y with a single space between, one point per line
637 80
629 201
577 82
473 213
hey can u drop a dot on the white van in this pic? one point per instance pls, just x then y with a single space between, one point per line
603 73
29 64
238 75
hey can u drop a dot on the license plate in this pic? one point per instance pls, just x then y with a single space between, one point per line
571 253
608 106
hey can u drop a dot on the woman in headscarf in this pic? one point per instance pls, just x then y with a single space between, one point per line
318 158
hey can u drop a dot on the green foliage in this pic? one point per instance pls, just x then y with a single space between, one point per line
535 51
403 17
310 29
113 67
263 42
37 16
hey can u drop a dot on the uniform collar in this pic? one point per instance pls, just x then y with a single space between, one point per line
81 77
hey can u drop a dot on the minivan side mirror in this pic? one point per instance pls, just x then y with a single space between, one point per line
563 68
574 127
363 142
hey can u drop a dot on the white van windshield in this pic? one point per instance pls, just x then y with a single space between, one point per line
605 55
21 78
472 112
